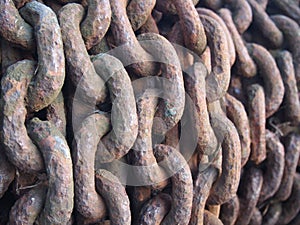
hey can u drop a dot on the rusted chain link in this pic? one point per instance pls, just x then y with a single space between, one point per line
149 112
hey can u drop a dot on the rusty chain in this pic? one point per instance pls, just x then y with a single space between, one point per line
150 112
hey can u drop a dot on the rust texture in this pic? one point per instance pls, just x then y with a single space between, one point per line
101 47
272 215
96 23
291 207
182 184
202 186
170 109
191 26
214 209
231 47
263 3
244 63
154 211
141 154
13 27
50 73
213 4
17 145
211 219
289 8
274 167
206 59
257 121
230 211
236 88
12 54
90 87
290 30
194 82
217 81
227 184
241 14
266 26
116 199
149 26
20 3
139 11
56 113
87 201
54 5
237 114
57 157
256 218
268 70
123 113
172 137
7 173
27 208
248 194
168 6
123 35
291 99
292 152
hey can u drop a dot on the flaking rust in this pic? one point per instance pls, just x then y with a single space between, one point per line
115 197
202 186
191 26
268 70
217 81
256 218
241 14
124 117
245 65
292 152
290 30
266 26
17 145
27 208
87 201
211 219
274 167
56 113
182 184
194 82
237 114
50 73
231 47
272 215
248 193
291 207
154 211
96 23
290 8
57 157
230 211
257 120
7 173
124 37
168 7
141 155
170 108
89 86
139 12
13 27
227 184
285 64
149 26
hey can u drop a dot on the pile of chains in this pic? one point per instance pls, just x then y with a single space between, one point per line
150 112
